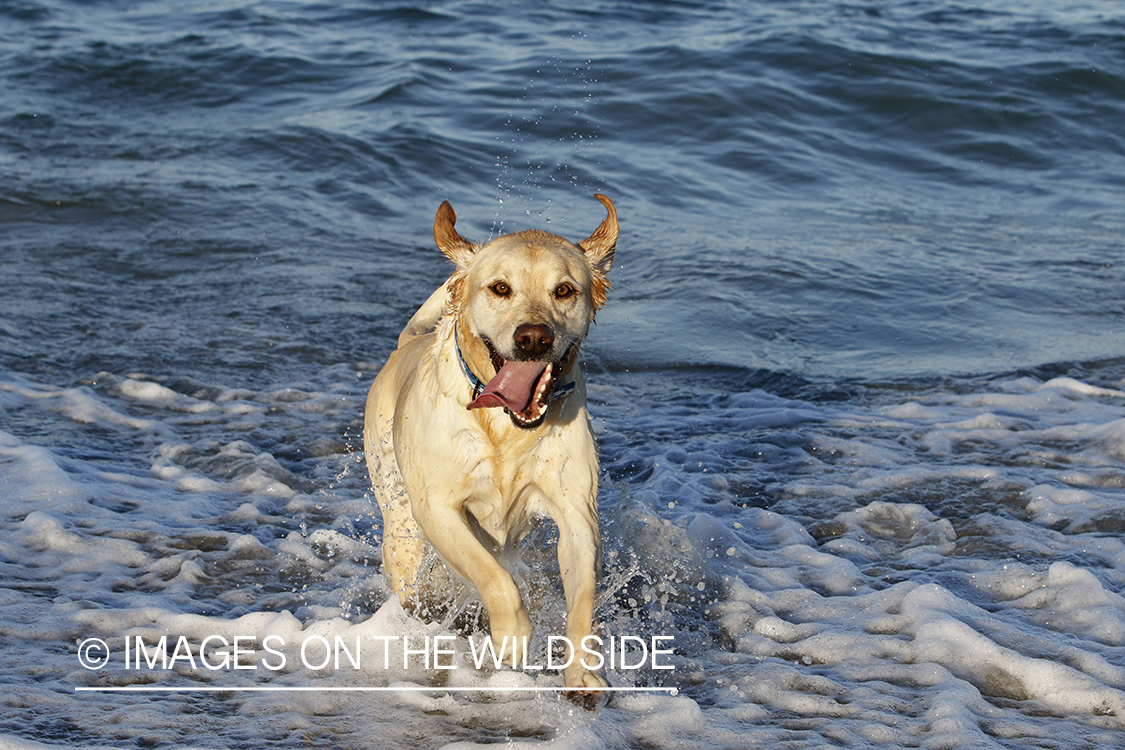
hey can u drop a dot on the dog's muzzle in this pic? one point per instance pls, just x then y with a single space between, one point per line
524 388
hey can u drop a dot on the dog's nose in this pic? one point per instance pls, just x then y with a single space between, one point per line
534 339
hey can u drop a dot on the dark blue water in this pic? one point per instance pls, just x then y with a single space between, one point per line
898 188
871 252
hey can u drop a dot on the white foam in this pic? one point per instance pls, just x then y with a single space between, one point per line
1073 600
78 404
909 533
875 602
1075 510
154 394
1079 388
1003 672
42 533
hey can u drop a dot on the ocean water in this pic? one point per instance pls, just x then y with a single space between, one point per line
859 389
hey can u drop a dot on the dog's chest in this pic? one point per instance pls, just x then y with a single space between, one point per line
526 475
516 458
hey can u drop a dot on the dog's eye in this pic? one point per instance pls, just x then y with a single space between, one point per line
501 289
564 290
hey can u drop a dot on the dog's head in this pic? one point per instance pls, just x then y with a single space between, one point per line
523 303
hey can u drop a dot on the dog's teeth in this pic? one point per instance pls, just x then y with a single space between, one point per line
544 381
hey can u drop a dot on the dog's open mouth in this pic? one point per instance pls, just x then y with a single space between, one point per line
521 387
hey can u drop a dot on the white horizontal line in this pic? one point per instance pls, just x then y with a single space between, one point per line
405 688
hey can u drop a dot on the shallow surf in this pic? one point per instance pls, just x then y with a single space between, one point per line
858 389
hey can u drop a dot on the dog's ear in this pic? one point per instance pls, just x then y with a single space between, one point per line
454 246
599 249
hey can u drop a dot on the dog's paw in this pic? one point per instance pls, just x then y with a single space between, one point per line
585 679
516 626
583 688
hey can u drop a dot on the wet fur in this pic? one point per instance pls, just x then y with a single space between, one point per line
472 483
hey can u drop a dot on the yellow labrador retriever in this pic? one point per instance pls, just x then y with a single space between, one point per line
477 425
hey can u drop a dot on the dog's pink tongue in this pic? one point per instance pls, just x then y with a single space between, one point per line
512 386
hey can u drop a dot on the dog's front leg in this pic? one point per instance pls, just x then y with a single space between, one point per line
448 531
579 550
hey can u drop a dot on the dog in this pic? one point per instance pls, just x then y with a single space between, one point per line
476 427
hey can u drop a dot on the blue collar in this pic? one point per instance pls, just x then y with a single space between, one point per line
560 391
474 381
